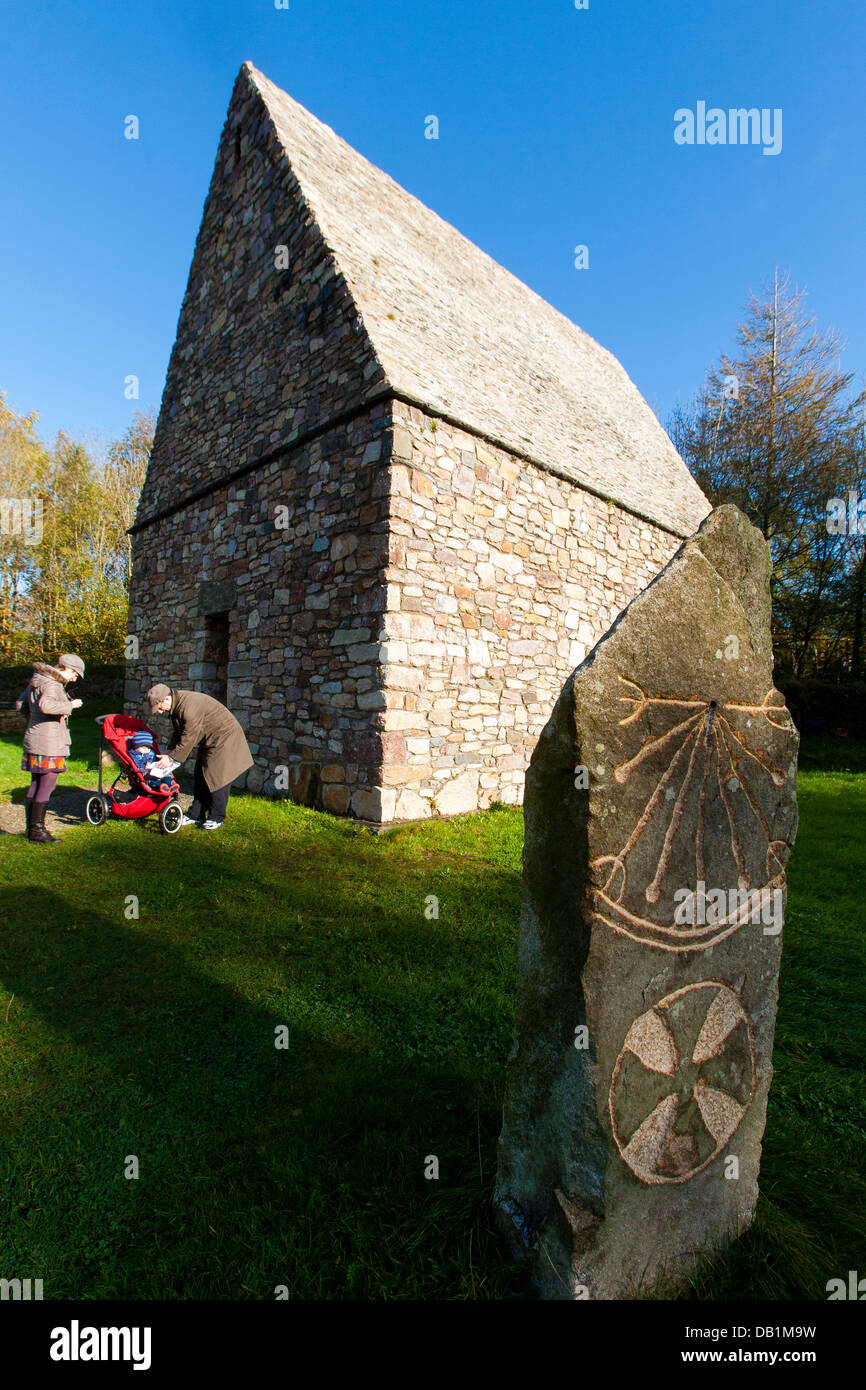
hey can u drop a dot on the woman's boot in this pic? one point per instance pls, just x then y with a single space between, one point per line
27 804
38 835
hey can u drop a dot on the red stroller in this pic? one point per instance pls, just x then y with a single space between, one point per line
115 729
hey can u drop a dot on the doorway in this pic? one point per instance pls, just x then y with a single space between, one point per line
216 656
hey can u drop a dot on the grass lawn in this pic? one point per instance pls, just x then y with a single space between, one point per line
304 1166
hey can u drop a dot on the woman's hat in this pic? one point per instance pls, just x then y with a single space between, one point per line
72 663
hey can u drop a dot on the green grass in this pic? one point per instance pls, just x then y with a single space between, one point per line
155 1037
811 1219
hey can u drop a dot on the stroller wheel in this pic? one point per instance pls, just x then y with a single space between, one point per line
96 810
170 818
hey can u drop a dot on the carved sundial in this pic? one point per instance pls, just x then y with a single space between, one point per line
682 1083
710 781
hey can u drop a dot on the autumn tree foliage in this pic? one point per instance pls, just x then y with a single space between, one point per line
64 551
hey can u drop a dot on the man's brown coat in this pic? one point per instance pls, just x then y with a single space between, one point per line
201 722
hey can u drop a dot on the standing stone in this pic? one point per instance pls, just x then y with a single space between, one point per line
650 937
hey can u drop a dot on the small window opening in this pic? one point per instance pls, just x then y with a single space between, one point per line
216 656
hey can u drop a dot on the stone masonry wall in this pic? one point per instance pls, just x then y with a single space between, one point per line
396 648
305 604
501 577
264 350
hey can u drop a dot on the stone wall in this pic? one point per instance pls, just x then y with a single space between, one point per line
269 345
394 648
501 577
305 604
393 641
269 354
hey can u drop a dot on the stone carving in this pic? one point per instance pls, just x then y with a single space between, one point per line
691 1059
709 747
647 962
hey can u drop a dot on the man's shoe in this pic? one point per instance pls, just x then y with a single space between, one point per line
186 821
38 835
212 824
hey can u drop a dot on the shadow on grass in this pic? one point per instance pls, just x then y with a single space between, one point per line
258 1167
828 753
305 1166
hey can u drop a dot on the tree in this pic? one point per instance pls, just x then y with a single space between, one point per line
97 548
23 462
122 479
66 589
65 562
852 544
774 430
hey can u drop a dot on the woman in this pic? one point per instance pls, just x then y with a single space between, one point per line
46 741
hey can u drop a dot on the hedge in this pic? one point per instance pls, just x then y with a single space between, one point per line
820 706
99 683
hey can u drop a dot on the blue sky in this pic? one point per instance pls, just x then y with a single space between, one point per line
556 129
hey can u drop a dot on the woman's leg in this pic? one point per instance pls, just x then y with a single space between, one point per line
45 785
205 797
28 803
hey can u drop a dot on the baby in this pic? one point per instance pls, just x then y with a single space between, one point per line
140 748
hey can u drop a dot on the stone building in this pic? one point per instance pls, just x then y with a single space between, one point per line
394 496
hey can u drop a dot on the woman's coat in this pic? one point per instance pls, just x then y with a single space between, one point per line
48 707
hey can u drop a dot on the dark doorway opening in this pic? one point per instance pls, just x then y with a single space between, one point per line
216 656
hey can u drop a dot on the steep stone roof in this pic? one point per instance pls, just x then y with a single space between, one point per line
455 330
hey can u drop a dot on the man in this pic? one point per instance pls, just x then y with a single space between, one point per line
201 722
